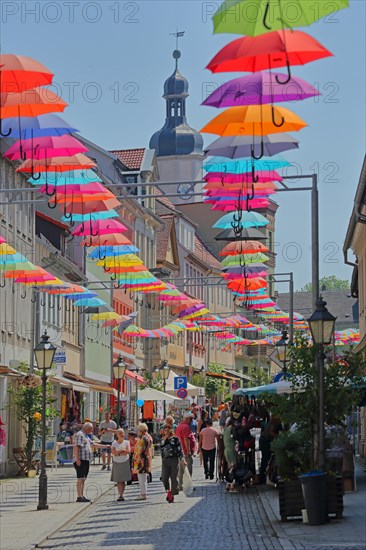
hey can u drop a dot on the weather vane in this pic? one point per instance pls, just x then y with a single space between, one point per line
177 35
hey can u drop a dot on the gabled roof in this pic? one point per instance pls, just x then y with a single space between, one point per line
202 252
164 237
163 200
131 158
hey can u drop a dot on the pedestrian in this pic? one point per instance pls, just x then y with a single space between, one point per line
121 471
188 443
107 437
230 454
207 444
269 432
142 459
83 453
171 454
201 423
224 413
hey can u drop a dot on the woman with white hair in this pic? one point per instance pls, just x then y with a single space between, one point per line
121 471
142 459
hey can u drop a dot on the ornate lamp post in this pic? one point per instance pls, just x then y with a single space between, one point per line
321 325
281 347
136 370
164 372
44 353
119 371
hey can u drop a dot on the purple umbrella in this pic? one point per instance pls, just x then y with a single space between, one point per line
236 147
260 88
40 126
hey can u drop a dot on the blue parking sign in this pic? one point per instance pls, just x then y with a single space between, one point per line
180 382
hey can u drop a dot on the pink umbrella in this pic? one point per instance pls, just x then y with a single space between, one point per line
45 147
227 191
231 206
99 227
245 177
2 240
88 189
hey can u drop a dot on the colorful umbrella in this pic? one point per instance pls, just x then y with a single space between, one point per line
45 147
91 207
244 259
37 101
243 167
243 247
93 216
19 73
258 120
74 191
231 235
90 302
231 16
248 219
103 252
113 239
6 248
58 164
258 89
35 127
241 285
222 178
80 177
236 147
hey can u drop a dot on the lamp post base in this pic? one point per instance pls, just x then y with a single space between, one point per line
42 507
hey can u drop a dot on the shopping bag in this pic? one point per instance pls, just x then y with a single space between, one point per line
187 483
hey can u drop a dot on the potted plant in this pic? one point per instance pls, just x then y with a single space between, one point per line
26 403
293 449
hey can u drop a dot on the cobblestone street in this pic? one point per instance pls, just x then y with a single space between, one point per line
209 519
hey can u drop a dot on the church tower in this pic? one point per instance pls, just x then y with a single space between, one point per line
178 147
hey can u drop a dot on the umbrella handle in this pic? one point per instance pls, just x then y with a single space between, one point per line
106 269
13 288
254 156
54 205
141 303
161 307
67 309
35 176
255 178
52 193
251 196
101 257
59 307
42 303
113 277
33 300
266 12
49 305
273 119
3 285
23 297
248 208
2 134
242 263
288 75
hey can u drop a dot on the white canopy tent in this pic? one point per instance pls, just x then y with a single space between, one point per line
193 391
151 394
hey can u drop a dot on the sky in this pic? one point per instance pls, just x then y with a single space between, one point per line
111 58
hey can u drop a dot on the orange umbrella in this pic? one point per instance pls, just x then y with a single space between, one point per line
56 164
253 120
241 285
30 103
112 239
84 197
131 269
243 247
92 206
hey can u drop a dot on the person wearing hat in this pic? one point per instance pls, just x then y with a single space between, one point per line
2 438
188 443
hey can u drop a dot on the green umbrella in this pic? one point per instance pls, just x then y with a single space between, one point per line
254 17
16 266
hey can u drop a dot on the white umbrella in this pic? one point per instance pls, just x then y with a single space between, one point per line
151 394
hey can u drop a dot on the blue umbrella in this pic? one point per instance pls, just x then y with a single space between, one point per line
120 250
240 166
81 295
12 258
74 177
90 302
248 219
94 216
39 126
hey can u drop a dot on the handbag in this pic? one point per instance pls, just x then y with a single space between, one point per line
187 483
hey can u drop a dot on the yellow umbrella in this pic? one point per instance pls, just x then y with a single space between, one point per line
7 249
104 316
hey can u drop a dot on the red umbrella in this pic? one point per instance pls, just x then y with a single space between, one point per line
242 285
268 51
31 103
243 247
58 164
20 73
91 206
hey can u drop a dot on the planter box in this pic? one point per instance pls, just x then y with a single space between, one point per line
291 499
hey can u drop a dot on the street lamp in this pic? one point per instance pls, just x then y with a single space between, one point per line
321 325
119 371
44 353
164 372
136 370
281 347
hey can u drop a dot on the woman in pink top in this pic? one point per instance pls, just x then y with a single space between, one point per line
207 444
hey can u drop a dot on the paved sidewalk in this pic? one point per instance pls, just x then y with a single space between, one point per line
345 534
22 525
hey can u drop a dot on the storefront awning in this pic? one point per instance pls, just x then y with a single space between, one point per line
238 375
7 371
72 384
134 376
221 375
103 389
89 384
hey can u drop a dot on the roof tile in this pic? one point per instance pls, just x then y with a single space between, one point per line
131 158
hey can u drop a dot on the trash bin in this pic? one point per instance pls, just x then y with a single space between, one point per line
314 488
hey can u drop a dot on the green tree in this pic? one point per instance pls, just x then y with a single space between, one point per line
151 381
26 405
215 386
330 283
301 407
258 376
